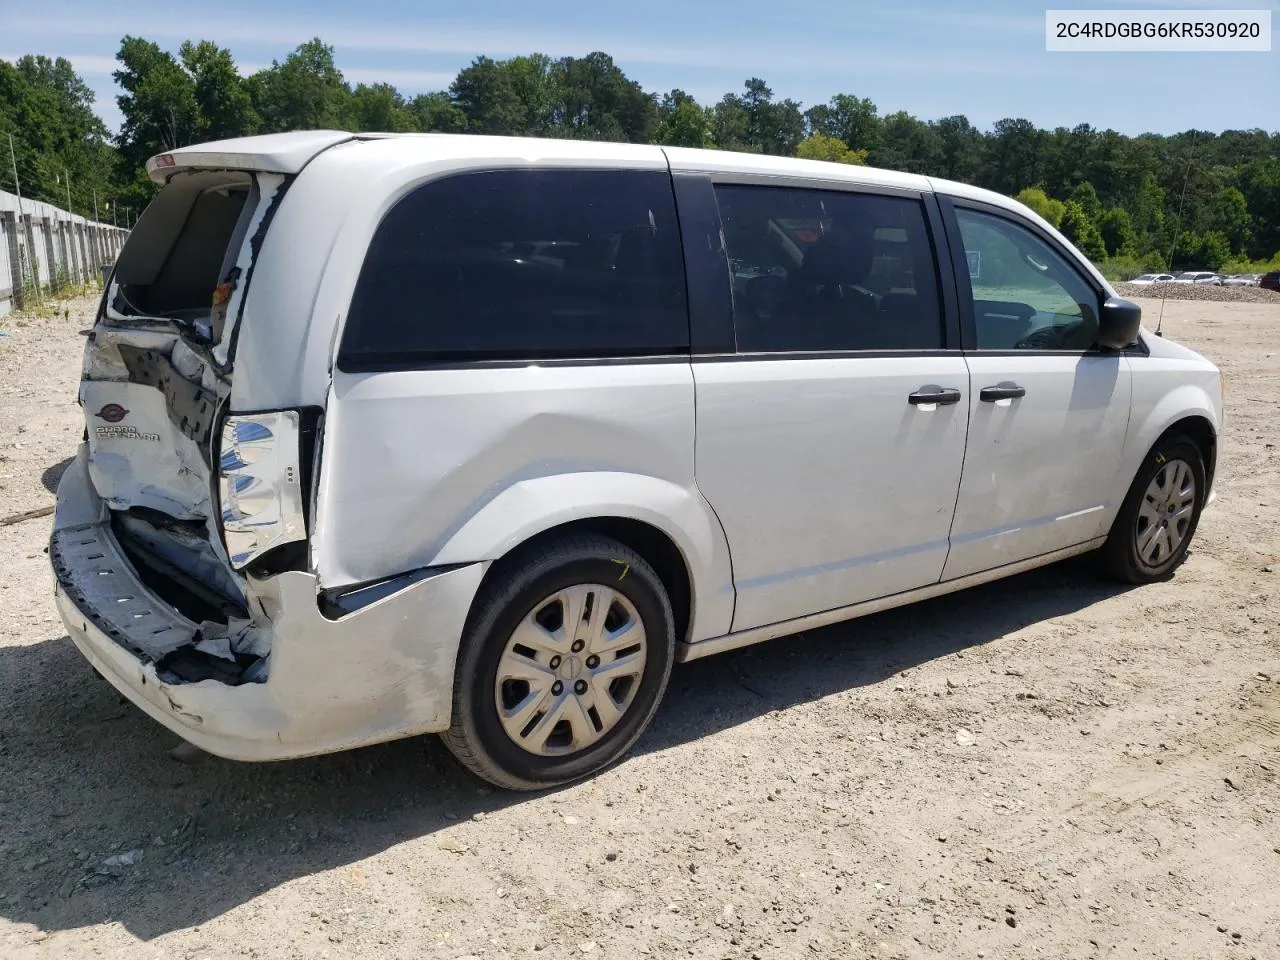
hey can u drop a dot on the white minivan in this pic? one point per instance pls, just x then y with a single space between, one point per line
393 435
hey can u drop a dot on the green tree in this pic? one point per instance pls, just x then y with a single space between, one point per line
1080 230
909 144
1260 184
160 114
729 125
224 107
1229 216
683 122
1148 219
819 146
595 100
1201 251
484 93
158 102
437 113
48 110
1035 198
1013 156
1085 195
535 81
961 148
1117 232
379 107
770 127
305 92
848 118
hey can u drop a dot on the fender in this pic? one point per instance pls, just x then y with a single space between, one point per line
1150 420
530 507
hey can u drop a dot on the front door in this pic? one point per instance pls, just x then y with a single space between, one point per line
830 443
1047 410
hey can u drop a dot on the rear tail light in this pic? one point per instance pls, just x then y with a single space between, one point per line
259 484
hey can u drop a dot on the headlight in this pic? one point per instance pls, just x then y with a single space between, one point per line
259 488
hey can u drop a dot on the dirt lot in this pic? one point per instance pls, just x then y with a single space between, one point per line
1115 791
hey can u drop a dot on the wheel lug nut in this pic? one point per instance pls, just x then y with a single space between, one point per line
557 688
578 645
580 687
593 662
555 662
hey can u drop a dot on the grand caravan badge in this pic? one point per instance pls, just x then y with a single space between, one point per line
125 433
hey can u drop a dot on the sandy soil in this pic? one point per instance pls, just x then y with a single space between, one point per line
1115 792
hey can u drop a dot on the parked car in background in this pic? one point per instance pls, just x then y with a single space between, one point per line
1242 280
397 434
1149 278
1270 281
1202 277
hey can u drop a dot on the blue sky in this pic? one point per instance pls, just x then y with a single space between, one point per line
929 57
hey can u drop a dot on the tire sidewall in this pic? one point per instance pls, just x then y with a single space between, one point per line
1177 448
475 707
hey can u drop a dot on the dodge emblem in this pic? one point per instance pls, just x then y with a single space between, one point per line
113 413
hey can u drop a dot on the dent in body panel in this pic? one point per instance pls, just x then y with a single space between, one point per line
269 186
434 467
382 673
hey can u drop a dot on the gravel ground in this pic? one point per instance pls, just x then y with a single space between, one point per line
1046 767
1187 291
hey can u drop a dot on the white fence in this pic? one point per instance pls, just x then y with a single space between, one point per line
45 248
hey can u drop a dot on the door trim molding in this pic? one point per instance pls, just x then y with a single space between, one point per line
744 638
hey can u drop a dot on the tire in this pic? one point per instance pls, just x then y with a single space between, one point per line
1132 553
534 592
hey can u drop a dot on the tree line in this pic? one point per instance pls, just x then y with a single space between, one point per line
1193 199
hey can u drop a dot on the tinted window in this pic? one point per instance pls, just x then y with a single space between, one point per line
827 270
523 264
1025 294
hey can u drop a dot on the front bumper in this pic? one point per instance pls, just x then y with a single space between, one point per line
380 673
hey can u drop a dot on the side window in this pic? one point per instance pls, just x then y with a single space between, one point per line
519 264
1026 296
818 270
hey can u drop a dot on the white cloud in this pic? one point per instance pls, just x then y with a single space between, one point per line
413 79
86 65
470 41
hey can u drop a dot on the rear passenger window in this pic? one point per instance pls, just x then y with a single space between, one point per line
817 270
522 264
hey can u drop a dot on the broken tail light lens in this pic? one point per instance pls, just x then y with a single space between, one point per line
259 485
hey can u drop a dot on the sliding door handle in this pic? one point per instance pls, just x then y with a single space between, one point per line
932 393
1005 390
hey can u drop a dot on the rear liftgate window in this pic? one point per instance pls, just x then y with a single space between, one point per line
183 246
522 264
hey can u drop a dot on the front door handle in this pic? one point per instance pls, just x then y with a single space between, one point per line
932 393
1005 390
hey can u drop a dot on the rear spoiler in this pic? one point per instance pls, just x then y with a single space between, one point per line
285 153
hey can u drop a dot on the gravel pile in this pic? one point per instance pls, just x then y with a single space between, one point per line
1187 291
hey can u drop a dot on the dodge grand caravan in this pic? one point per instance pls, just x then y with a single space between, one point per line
392 435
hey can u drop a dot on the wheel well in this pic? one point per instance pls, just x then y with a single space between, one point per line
1200 432
658 550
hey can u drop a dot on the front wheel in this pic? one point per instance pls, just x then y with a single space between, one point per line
565 658
1153 530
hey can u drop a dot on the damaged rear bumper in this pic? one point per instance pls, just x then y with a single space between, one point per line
382 672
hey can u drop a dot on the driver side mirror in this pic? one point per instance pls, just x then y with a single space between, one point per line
1119 323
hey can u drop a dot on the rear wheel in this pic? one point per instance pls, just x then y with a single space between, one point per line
566 656
1153 530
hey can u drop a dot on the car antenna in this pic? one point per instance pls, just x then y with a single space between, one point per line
1177 234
